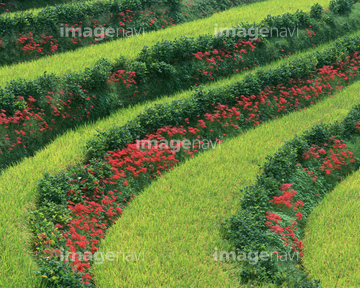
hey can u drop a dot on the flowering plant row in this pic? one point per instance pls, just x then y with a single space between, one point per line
89 27
275 210
76 208
34 112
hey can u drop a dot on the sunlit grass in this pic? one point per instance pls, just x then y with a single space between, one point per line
130 47
332 236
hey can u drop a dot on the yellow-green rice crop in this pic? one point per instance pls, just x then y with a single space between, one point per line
332 237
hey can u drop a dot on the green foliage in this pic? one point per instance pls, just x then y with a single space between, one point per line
351 121
316 11
51 212
341 6
59 274
51 17
8 102
287 20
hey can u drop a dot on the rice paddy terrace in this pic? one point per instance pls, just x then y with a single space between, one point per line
172 143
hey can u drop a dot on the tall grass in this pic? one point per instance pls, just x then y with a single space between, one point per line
332 236
130 47
175 220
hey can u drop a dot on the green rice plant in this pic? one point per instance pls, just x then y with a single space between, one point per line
332 236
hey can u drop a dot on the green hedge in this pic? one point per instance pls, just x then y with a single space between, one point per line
9 6
246 229
51 17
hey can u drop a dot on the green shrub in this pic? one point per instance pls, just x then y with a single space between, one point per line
316 11
341 6
351 121
59 274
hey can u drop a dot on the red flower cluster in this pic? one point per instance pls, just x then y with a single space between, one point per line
28 45
311 173
286 233
223 112
286 198
310 33
126 77
133 159
26 125
335 160
332 155
97 207
220 59
146 18
90 218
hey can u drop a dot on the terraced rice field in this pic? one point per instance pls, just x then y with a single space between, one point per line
167 168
